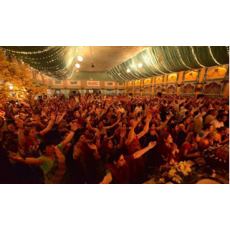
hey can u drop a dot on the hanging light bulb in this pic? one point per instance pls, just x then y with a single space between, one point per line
140 65
128 70
77 65
11 86
80 58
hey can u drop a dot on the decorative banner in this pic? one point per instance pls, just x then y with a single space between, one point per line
121 84
171 89
188 88
46 80
191 76
172 78
137 82
216 72
137 89
130 83
212 88
158 89
159 79
147 81
109 83
57 82
93 83
147 89
129 90
73 83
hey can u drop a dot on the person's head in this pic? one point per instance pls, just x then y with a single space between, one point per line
213 112
30 132
100 125
64 134
224 117
222 131
82 138
219 118
118 159
123 115
208 127
191 137
110 144
47 148
152 127
167 138
11 127
8 136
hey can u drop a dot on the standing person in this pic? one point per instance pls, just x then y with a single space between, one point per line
52 161
118 171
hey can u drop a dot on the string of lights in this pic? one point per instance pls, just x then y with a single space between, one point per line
210 51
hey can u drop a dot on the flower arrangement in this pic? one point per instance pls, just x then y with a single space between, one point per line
174 172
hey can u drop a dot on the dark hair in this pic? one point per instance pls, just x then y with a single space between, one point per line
44 144
165 136
63 133
219 116
115 156
207 126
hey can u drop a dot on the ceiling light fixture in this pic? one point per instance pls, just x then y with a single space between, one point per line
128 70
78 65
80 58
140 65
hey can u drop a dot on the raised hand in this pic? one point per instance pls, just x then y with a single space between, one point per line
19 122
152 144
168 117
92 146
149 117
16 157
53 116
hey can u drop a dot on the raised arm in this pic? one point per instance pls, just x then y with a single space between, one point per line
49 126
144 150
164 123
29 161
146 128
118 119
21 136
74 127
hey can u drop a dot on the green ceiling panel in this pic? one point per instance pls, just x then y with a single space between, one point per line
158 60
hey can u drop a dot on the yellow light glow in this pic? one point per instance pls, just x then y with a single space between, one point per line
128 70
77 65
11 87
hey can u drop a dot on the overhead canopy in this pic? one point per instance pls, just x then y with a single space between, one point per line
54 61
59 61
159 60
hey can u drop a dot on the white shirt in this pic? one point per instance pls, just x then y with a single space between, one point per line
216 124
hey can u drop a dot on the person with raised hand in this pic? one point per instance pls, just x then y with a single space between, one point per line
52 161
118 171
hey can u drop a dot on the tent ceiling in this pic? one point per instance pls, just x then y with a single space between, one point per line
59 61
160 60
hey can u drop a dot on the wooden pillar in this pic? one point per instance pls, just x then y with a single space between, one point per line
152 90
180 78
142 83
133 87
226 91
125 88
201 78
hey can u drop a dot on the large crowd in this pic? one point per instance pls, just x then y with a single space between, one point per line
107 139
